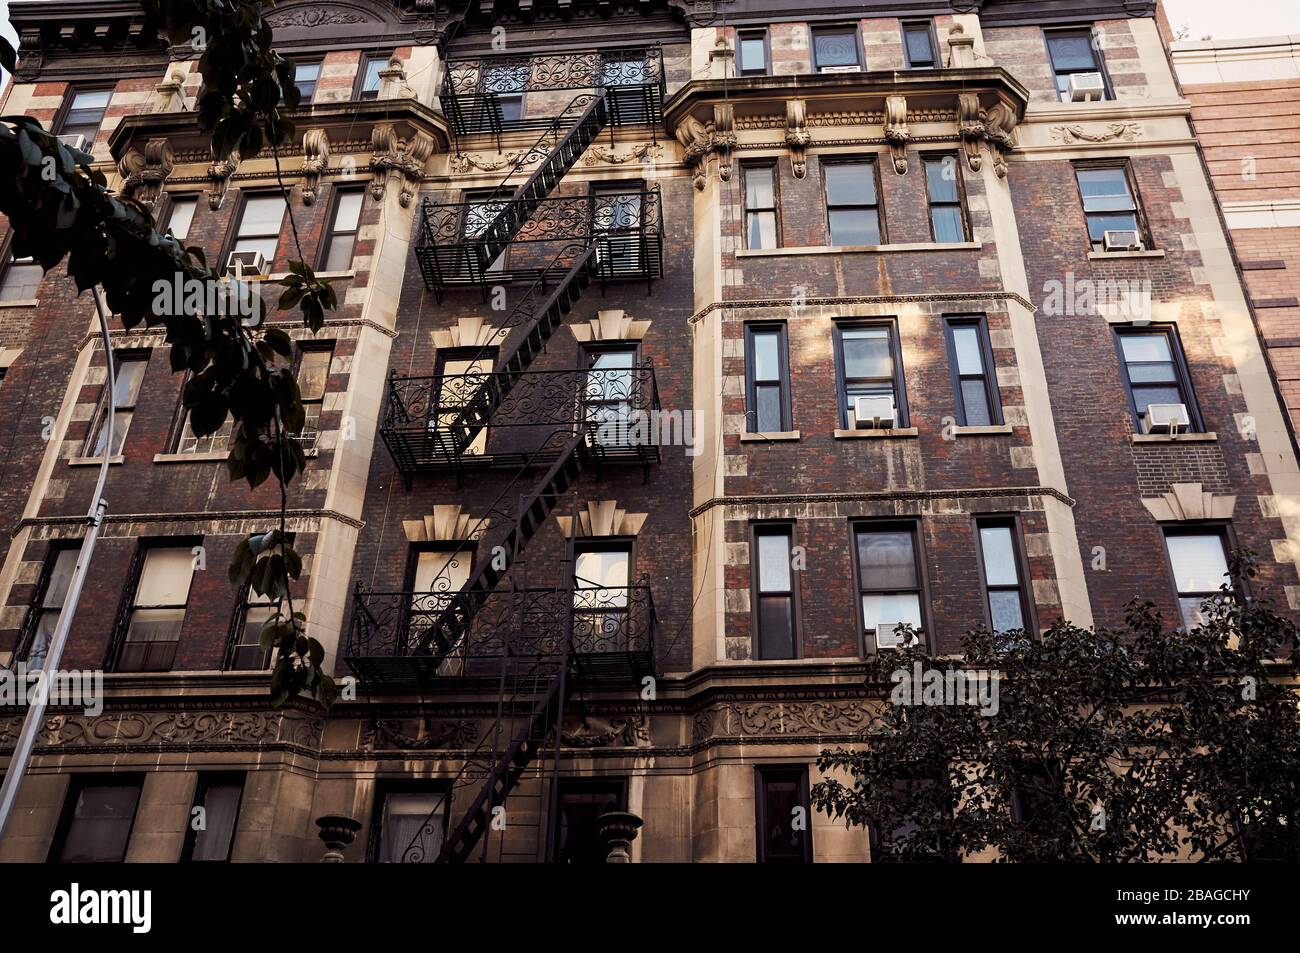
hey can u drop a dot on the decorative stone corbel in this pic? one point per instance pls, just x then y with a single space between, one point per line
896 132
1189 501
724 140
703 140
145 171
797 137
315 160
1000 130
407 157
970 126
219 174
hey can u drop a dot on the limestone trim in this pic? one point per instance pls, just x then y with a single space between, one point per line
755 303
603 518
447 523
880 496
1188 501
610 325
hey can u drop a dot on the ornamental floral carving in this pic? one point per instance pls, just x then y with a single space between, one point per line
463 163
708 142
593 732
181 729
646 152
995 125
418 735
144 171
774 719
1120 131
406 158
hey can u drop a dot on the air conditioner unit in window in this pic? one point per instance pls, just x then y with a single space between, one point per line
1123 240
1167 418
889 635
874 412
74 142
1086 87
841 69
242 263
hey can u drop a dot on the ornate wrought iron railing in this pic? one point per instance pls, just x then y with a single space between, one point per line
457 244
436 423
610 630
494 94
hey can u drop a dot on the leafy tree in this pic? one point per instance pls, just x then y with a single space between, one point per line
60 210
1106 746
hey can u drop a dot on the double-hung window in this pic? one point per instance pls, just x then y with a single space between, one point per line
775 609
752 57
760 206
341 238
943 185
974 382
410 824
835 50
181 216
1002 566
919 46
1073 51
581 803
97 819
85 115
52 593
313 382
1109 203
1155 372
889 583
1198 556
128 375
368 78
782 815
157 610
852 203
21 279
767 379
305 78
211 831
259 225
869 366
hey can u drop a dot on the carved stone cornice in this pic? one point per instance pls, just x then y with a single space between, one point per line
151 730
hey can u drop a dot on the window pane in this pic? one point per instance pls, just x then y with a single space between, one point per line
1199 562
92 99
101 824
854 227
999 556
941 179
767 355
768 416
1004 606
165 577
918 45
836 49
1146 347
262 215
126 381
887 560
975 402
966 345
121 424
370 84
774 562
866 352
60 578
339 256
758 188
1104 189
782 839
947 223
761 230
602 569
313 374
305 76
753 54
266 246
1099 225
1152 373
580 840
182 216
220 806
898 607
21 279
1148 395
348 211
1071 51
850 183
776 627
404 827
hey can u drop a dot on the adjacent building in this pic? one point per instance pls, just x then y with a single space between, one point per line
685 350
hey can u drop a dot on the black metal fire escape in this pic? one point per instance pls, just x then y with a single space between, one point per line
535 641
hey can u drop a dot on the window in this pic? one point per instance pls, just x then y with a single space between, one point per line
1001 565
211 829
1199 560
1155 372
313 381
760 206
368 75
507 84
342 235
481 210
767 379
157 610
1073 51
751 52
85 114
601 572
943 184
97 819
852 203
52 592
919 44
616 220
581 802
181 216
868 365
781 800
894 836
21 279
247 654
462 374
410 825
129 373
305 77
259 225
835 50
775 601
974 383
610 394
1108 202
889 583
215 442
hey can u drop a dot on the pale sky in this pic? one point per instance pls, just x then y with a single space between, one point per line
1233 20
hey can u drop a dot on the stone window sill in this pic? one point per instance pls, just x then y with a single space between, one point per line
281 275
1174 438
772 436
113 461
868 434
21 303
207 457
989 431
857 249
1107 255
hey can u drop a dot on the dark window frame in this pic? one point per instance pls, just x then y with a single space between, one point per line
126 606
827 28
915 526
784 528
990 375
384 787
358 86
331 230
896 354
80 781
35 610
754 33
60 123
1224 530
1182 371
301 350
878 207
783 379
768 165
173 200
762 773
928 24
574 785
960 204
1025 584
1130 180
7 261
237 221
121 355
317 61
1098 58
206 782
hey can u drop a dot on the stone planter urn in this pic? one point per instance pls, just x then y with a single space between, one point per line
337 831
618 830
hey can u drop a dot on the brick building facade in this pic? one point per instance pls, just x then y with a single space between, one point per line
898 289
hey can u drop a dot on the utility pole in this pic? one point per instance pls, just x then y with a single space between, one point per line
94 519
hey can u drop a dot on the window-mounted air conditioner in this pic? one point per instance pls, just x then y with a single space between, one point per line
1167 418
74 142
890 635
242 263
874 412
1086 87
1122 240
